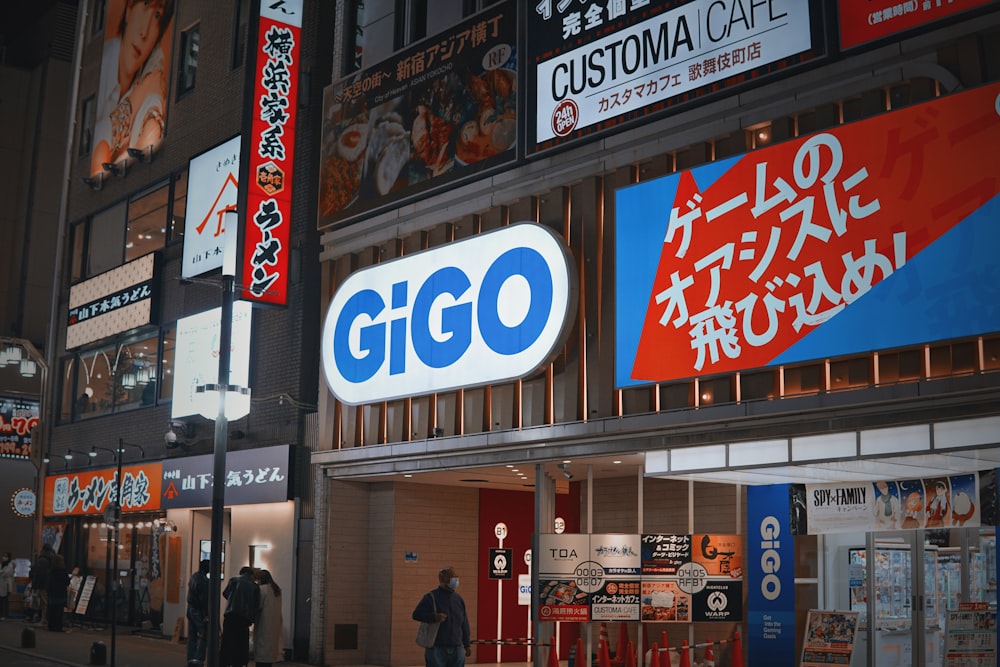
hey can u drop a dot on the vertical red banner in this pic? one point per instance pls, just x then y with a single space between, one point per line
268 219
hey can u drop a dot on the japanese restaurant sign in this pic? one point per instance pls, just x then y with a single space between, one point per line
92 491
862 22
112 302
18 418
596 65
439 112
267 221
213 181
873 235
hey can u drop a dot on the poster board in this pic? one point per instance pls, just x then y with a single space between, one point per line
83 601
970 638
829 638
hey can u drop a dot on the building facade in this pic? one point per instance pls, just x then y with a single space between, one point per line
161 164
485 397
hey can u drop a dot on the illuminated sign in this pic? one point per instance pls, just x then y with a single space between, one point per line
869 236
213 180
196 358
597 65
18 418
486 309
267 221
862 22
111 303
92 491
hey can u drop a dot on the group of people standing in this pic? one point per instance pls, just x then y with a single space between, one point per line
252 599
49 592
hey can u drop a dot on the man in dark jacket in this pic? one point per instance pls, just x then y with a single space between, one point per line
197 614
243 602
452 644
39 574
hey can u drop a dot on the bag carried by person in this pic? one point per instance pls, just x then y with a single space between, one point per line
427 632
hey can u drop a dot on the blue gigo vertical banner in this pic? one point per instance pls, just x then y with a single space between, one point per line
770 577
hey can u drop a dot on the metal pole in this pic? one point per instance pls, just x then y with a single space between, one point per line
219 474
117 518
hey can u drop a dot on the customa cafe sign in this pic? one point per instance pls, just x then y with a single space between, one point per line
952 501
486 309
112 302
599 64
873 235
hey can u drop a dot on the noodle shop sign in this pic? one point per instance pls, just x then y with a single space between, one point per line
432 116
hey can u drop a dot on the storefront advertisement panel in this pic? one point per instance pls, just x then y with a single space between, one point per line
437 113
691 578
18 419
872 235
213 181
113 302
952 501
93 491
770 576
862 22
252 476
595 66
565 583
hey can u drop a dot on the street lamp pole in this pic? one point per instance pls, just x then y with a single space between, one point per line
219 471
117 513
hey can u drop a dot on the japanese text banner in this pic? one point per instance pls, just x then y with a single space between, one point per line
872 235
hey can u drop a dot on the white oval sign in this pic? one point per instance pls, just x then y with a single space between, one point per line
488 309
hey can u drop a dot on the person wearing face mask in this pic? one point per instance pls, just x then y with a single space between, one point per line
452 644
6 584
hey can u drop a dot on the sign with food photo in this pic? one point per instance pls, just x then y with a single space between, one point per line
440 112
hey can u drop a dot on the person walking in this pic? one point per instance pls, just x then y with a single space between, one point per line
267 632
242 605
58 583
197 614
452 644
6 584
39 575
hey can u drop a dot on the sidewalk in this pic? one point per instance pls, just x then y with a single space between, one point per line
72 647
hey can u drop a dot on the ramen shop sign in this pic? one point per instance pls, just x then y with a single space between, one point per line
487 309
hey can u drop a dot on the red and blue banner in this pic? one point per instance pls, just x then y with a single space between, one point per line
872 235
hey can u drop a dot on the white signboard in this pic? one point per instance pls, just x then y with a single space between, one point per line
662 57
196 359
212 187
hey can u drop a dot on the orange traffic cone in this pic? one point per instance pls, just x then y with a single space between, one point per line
737 655
685 654
603 634
553 656
654 656
580 661
603 656
630 655
709 655
622 645
665 660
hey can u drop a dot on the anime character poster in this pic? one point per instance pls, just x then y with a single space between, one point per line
829 638
872 235
135 80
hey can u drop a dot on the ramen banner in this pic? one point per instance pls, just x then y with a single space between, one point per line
873 235
948 501
437 113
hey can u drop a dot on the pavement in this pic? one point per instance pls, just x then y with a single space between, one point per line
72 647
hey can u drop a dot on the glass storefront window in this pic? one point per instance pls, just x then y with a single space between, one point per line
147 223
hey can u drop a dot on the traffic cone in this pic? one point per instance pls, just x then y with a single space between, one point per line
580 660
603 656
654 656
630 655
622 642
709 655
685 654
603 634
553 656
737 655
665 660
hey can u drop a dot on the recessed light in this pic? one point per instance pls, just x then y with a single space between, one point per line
616 462
566 461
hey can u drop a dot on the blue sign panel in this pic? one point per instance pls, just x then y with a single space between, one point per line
770 577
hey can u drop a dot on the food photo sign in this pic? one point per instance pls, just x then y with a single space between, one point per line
439 112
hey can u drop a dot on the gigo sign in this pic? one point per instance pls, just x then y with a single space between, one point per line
487 309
